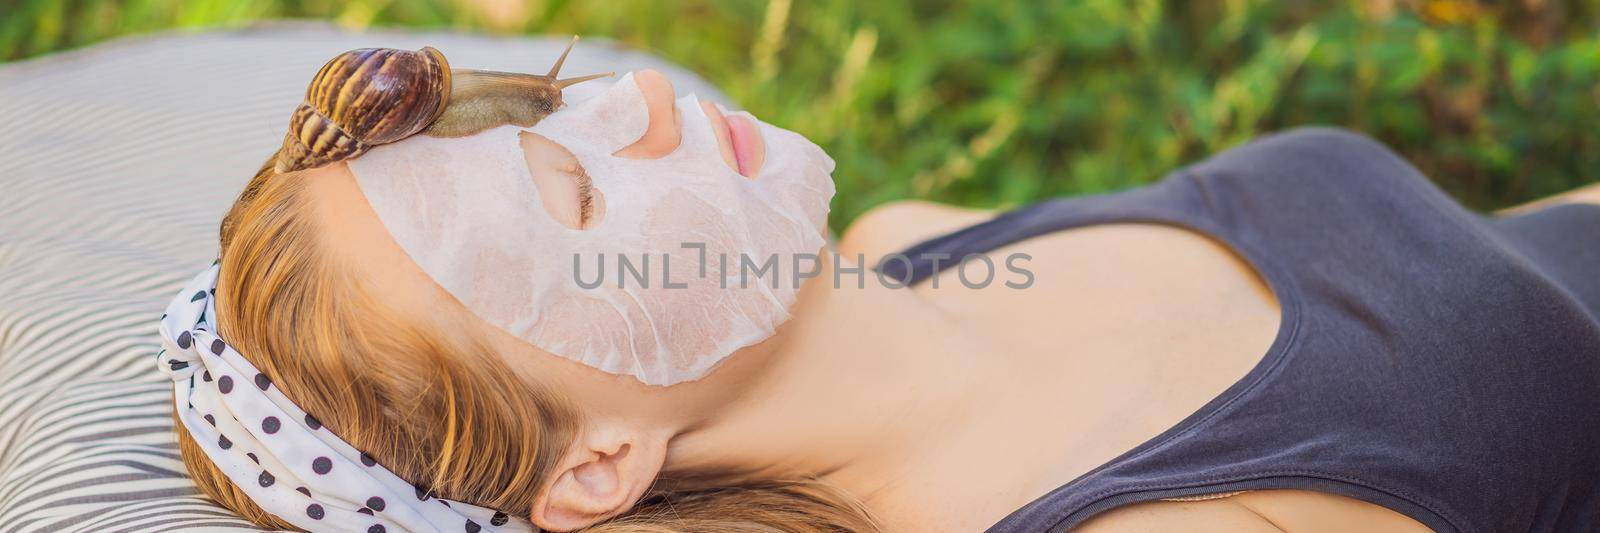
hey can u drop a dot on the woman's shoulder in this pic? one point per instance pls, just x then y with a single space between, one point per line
895 226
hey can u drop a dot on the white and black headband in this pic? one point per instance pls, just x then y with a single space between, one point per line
284 459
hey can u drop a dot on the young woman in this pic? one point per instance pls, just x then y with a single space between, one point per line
1301 334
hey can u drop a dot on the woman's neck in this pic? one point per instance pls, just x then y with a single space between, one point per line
864 384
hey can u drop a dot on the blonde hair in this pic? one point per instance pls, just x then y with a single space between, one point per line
436 407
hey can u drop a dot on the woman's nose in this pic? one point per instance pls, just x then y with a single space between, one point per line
662 134
654 85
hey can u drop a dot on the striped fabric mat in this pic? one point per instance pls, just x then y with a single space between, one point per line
116 163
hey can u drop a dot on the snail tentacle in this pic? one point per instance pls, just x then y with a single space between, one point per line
485 99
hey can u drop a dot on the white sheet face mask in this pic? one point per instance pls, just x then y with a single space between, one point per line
468 211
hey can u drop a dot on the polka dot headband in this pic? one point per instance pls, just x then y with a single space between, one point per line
284 459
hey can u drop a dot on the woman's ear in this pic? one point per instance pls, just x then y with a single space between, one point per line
607 468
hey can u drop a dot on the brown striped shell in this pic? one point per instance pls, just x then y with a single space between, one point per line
364 98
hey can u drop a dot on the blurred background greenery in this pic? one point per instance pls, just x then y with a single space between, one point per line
994 103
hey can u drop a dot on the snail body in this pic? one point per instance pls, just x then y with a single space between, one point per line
374 96
485 99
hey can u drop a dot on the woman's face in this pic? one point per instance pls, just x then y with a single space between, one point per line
633 232
368 247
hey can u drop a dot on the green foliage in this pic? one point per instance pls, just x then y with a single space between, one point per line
996 103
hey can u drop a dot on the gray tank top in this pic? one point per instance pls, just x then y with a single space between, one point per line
1438 362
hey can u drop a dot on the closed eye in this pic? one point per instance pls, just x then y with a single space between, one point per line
586 193
565 189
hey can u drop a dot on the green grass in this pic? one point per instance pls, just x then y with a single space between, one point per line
994 103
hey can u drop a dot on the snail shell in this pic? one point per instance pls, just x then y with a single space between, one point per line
372 96
364 98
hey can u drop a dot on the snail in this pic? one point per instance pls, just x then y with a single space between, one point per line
373 96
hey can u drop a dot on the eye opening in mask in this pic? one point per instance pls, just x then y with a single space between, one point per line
565 189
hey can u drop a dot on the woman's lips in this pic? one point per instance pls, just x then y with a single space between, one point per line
737 137
748 148
719 127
